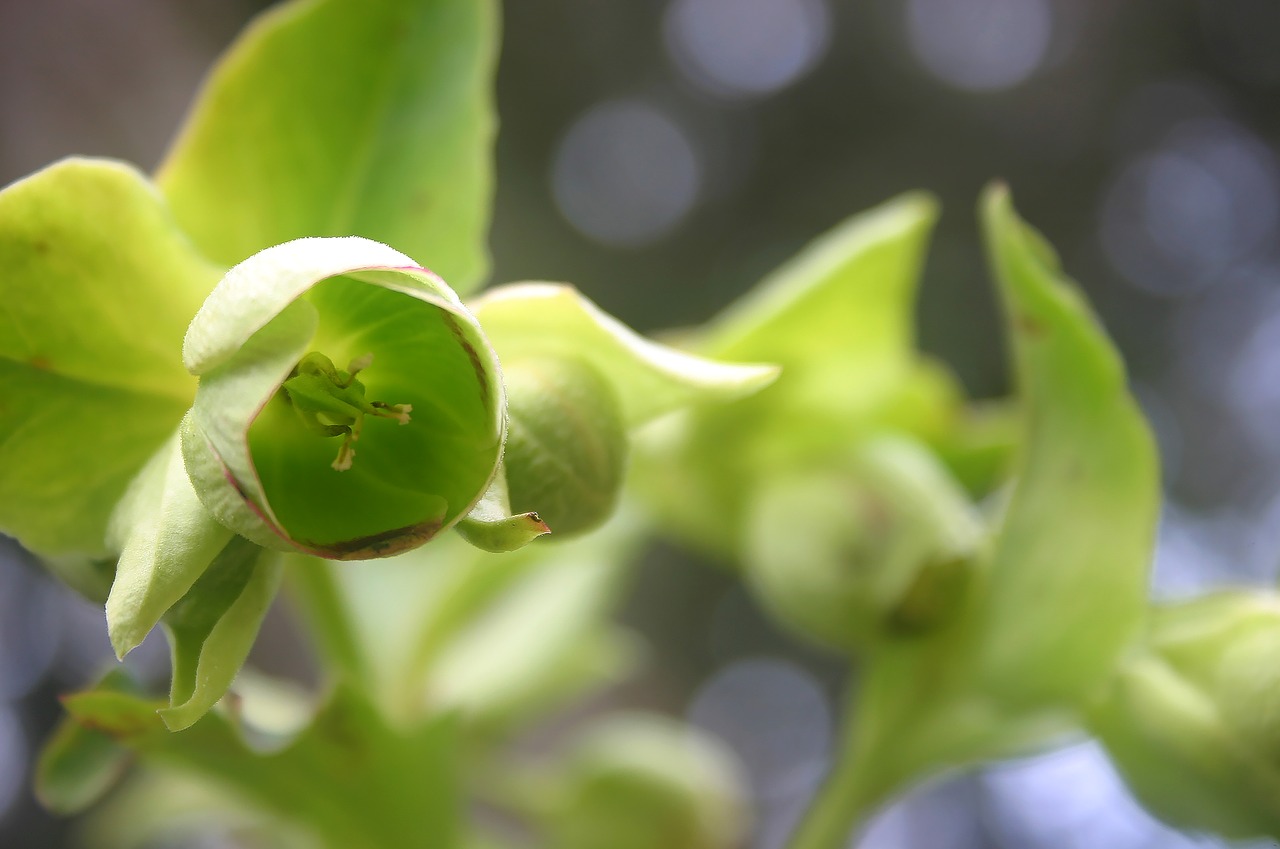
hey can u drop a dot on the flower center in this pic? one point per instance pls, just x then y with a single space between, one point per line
330 402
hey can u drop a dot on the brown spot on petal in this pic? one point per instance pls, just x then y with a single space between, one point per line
384 544
472 355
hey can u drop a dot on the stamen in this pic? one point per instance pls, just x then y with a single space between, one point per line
331 403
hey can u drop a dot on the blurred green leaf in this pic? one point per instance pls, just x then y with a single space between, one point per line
1073 549
213 626
332 118
551 320
80 763
351 778
99 286
1063 592
838 319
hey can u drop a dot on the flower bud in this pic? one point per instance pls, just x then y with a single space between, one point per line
1193 722
646 782
349 406
879 546
566 442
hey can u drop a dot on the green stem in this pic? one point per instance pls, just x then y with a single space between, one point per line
849 793
315 594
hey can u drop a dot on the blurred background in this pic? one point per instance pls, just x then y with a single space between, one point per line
664 154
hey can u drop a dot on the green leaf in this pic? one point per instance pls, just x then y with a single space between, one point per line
98 288
839 318
213 626
1073 550
167 540
551 320
332 118
351 778
80 763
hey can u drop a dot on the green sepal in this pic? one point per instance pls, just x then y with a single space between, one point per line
491 526
98 286
552 320
79 763
265 473
332 118
166 540
213 626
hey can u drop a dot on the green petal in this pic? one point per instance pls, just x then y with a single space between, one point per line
98 287
213 626
330 118
265 476
526 320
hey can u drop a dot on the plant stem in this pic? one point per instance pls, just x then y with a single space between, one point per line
847 795
315 592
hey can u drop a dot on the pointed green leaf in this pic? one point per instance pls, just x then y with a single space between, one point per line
213 626
1063 591
167 540
841 314
332 118
490 526
1073 550
550 320
98 286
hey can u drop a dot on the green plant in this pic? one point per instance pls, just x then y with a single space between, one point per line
229 378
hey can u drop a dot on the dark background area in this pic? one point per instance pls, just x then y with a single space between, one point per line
664 154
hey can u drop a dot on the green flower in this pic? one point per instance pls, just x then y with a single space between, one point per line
349 405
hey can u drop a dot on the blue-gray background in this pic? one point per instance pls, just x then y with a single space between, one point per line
664 154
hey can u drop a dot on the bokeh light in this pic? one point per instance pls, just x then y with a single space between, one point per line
746 48
625 173
980 45
1178 218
